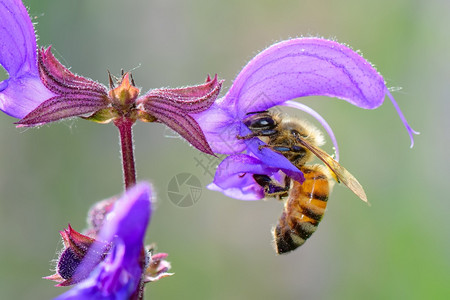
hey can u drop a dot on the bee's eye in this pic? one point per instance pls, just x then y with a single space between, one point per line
260 123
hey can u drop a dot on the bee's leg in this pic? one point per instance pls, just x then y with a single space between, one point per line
271 187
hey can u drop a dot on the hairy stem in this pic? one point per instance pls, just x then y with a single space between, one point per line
126 141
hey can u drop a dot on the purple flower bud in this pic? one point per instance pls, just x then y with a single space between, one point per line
76 246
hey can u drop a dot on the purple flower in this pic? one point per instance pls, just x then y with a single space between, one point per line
114 263
284 71
40 89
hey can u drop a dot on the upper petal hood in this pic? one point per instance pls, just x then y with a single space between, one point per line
305 67
17 39
288 70
23 90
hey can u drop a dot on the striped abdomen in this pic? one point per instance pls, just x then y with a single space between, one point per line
303 210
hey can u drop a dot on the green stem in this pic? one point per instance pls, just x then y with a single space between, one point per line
126 141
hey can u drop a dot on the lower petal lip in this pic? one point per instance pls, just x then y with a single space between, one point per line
21 95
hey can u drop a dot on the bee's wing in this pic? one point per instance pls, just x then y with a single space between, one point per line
341 173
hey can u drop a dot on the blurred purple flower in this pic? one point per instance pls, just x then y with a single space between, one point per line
114 265
284 71
40 89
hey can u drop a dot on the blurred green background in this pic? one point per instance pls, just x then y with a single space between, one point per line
220 248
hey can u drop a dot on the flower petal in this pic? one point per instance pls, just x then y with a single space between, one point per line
234 177
192 99
121 271
270 158
17 39
180 122
22 95
61 107
174 107
130 217
306 67
58 79
220 128
77 95
23 90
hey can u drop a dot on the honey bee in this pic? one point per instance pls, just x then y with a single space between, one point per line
306 202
